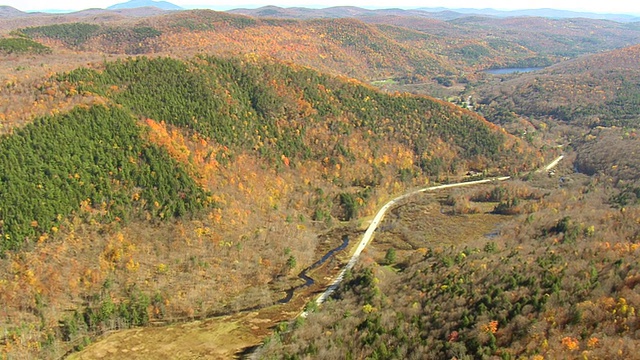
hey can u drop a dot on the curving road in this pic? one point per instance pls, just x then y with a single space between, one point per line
368 235
553 163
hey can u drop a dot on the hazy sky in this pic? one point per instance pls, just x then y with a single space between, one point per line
602 6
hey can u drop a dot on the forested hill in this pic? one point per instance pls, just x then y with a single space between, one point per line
96 157
148 198
484 40
344 46
601 89
276 111
264 106
405 49
431 56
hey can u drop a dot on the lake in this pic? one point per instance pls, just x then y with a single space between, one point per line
504 71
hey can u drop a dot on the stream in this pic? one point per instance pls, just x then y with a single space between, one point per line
308 281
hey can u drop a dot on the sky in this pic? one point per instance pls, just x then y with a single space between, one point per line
599 6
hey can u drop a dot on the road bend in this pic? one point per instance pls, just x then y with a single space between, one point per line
368 235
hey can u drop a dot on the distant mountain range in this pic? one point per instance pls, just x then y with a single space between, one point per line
330 12
547 13
356 12
134 8
12 17
132 4
432 13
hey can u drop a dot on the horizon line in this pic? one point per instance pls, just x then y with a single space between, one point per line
321 7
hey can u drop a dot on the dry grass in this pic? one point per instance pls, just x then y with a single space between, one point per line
425 221
217 338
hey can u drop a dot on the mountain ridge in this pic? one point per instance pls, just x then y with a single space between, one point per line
132 4
542 12
183 185
434 13
298 12
9 12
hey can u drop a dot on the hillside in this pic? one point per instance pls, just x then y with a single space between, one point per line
334 12
394 48
600 89
559 281
169 189
21 45
13 20
482 41
522 41
546 13
563 38
610 152
466 51
187 168
366 53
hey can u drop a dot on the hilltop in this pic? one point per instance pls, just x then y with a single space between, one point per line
344 47
544 13
10 12
481 41
335 12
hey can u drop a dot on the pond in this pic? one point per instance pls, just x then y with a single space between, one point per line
504 71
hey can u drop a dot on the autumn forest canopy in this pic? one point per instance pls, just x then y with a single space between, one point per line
192 165
100 154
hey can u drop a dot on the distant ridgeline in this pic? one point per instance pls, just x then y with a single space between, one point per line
99 157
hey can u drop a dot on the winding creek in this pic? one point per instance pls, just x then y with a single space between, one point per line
308 281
